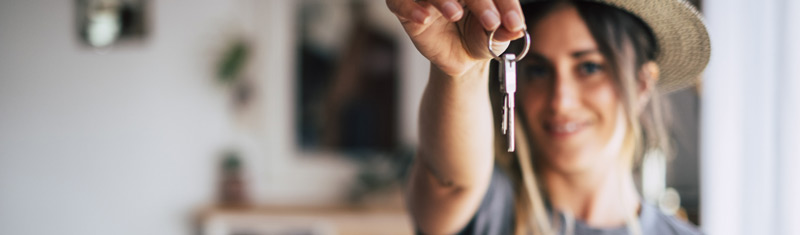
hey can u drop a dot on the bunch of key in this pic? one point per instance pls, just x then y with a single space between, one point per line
508 85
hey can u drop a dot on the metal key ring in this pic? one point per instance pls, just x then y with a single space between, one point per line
521 55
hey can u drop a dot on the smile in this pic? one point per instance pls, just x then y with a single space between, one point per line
564 129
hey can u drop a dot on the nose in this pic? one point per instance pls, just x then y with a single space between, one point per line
564 93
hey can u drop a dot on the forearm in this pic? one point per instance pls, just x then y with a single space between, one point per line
455 127
455 158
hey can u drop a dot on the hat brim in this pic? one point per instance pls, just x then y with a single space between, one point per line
681 35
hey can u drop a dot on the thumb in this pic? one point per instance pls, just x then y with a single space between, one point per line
476 40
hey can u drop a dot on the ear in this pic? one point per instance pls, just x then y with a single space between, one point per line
648 78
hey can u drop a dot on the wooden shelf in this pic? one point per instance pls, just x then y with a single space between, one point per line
263 220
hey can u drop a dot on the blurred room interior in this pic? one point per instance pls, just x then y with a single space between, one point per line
239 117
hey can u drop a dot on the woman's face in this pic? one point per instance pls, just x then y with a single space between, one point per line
568 96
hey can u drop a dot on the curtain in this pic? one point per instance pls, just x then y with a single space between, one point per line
750 118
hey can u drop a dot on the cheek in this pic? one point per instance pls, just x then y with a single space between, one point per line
532 102
604 102
533 94
604 98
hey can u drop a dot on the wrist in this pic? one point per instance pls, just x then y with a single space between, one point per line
477 74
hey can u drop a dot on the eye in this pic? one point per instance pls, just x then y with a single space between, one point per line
535 71
589 68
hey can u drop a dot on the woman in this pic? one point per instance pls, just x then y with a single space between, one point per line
588 108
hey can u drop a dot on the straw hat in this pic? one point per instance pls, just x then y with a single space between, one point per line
680 34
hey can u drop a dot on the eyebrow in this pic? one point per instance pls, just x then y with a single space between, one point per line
541 58
584 52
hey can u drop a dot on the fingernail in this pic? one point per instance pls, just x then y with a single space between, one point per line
418 16
451 10
490 19
513 21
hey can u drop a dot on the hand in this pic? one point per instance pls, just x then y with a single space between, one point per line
455 43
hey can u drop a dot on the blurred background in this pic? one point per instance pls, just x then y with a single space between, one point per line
241 117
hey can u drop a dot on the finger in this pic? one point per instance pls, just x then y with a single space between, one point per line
511 14
475 38
408 10
450 9
500 41
486 12
504 35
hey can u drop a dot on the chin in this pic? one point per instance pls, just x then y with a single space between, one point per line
570 160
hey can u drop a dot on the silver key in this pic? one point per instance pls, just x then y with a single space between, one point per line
508 85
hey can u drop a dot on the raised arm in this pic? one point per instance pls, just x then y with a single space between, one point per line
455 158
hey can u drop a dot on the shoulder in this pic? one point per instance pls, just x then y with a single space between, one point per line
655 222
496 212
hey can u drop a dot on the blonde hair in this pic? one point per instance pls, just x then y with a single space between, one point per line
619 36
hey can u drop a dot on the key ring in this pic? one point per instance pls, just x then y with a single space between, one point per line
521 55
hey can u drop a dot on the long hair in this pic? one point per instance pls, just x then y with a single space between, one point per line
627 44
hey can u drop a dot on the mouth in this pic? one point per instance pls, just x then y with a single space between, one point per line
564 129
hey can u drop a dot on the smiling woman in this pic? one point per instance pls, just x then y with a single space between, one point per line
589 107
585 101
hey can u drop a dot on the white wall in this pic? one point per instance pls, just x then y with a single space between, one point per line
117 143
127 142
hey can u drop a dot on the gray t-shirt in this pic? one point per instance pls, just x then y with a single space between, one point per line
496 215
